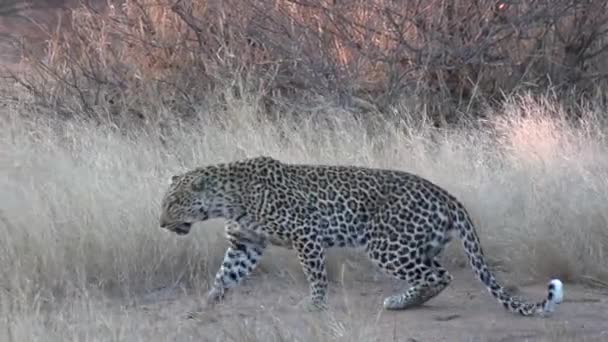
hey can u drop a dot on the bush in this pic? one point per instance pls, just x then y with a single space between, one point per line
449 59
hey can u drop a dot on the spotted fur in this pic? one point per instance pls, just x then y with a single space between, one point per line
402 221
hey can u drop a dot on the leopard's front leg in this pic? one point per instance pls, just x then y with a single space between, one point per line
312 258
242 256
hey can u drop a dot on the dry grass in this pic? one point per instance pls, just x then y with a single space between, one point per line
79 207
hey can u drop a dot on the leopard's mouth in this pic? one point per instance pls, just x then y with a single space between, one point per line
181 228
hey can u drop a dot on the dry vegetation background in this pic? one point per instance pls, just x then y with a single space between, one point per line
502 103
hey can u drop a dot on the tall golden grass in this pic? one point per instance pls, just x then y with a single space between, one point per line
80 202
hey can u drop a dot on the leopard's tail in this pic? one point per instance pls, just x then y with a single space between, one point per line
472 247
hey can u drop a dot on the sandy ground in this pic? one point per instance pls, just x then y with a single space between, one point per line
265 308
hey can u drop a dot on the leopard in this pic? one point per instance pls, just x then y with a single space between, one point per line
401 220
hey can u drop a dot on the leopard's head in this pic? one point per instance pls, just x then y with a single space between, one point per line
194 196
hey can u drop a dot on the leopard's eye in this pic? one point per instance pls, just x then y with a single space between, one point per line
198 185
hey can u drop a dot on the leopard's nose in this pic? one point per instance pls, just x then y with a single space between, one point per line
163 221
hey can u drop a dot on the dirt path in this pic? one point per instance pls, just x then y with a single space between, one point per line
266 309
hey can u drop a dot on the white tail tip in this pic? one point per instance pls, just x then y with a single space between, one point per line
555 295
556 291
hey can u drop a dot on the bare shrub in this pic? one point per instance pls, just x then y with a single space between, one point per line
447 58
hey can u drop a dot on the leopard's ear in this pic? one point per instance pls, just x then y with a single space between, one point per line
173 179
